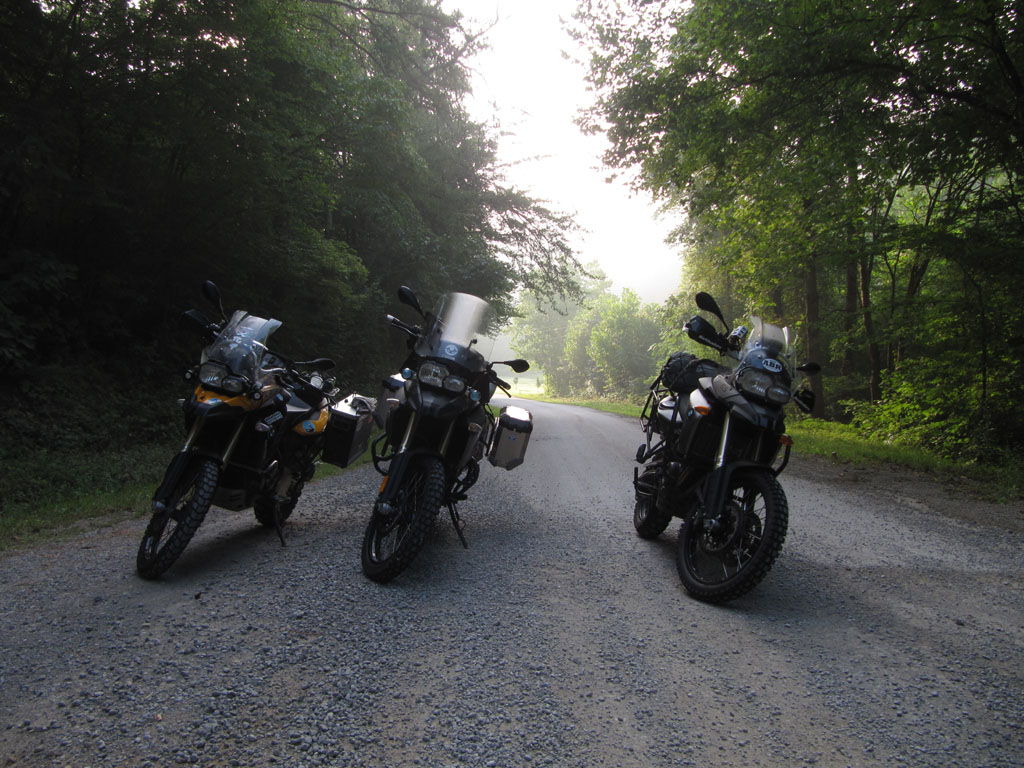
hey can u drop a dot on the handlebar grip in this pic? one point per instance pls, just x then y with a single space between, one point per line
409 329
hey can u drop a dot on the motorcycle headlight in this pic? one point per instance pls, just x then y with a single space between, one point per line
433 374
212 374
232 385
778 394
754 382
454 384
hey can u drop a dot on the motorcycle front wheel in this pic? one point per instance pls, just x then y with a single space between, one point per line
721 557
393 540
168 534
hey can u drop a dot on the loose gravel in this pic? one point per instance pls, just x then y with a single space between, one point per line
889 633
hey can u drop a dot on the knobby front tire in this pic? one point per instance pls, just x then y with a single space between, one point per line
392 542
167 535
720 559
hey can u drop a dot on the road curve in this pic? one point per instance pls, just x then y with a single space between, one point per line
890 632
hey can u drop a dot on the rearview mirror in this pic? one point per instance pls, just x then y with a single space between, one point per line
809 368
407 297
707 302
518 365
212 295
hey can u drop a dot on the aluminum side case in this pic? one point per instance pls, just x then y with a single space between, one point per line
348 430
512 435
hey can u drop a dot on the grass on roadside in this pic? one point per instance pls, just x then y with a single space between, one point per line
102 488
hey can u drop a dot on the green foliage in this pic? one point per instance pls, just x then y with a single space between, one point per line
541 329
621 342
309 157
602 348
853 171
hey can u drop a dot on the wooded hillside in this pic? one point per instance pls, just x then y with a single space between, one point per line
308 157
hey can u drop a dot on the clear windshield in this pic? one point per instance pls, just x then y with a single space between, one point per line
240 346
457 331
771 340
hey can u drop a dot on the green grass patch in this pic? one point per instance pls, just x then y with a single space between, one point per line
841 442
608 406
47 495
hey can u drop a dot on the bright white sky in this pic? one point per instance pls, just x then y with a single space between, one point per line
525 84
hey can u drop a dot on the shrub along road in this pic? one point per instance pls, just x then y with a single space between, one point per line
890 632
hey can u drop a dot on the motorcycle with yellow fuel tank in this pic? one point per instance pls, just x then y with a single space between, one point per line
256 424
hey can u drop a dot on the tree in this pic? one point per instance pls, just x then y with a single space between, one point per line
309 156
540 329
621 343
846 160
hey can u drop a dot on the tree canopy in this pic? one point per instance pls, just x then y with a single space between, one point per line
309 156
854 169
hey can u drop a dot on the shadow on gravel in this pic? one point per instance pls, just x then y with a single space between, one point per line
794 590
222 551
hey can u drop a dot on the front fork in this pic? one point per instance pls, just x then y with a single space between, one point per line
162 499
392 482
709 511
175 470
717 483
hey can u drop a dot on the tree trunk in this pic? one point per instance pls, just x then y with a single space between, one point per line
874 354
813 304
849 319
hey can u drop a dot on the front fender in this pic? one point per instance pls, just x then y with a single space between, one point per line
717 481
396 473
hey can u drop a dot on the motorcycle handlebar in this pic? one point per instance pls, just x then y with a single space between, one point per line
700 330
412 330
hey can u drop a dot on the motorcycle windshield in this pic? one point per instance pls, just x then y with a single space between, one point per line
240 346
771 340
457 331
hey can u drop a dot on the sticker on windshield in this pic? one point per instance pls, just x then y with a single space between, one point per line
771 364
451 350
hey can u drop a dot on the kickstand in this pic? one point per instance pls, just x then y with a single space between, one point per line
457 522
277 524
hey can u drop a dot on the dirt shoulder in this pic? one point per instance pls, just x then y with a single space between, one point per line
957 497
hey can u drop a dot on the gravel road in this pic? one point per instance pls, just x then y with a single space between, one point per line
890 632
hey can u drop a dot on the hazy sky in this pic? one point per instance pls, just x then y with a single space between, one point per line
534 93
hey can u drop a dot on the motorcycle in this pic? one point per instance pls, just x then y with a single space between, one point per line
255 428
437 426
713 437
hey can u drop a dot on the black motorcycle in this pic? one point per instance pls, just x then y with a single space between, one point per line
255 428
714 435
437 427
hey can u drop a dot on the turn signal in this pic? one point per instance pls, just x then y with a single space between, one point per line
786 440
703 410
